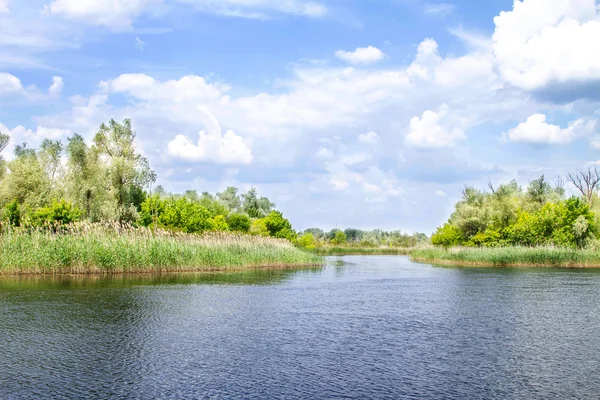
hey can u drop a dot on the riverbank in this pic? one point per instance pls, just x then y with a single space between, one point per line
362 251
93 249
509 257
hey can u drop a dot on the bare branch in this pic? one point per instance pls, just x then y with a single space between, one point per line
586 182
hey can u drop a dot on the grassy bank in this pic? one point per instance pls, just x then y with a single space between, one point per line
105 249
510 257
356 250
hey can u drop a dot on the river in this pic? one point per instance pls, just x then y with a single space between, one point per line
360 327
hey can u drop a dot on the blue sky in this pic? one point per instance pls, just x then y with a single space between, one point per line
344 112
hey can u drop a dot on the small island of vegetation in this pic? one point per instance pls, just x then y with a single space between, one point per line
512 226
80 208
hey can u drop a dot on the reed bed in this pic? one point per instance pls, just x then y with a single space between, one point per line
512 256
113 248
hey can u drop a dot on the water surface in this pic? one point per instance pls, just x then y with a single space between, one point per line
370 327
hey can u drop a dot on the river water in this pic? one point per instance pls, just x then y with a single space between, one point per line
358 328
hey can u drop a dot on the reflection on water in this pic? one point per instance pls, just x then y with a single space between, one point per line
362 327
251 277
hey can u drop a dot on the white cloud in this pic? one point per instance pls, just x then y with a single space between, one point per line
212 145
260 9
117 14
368 138
325 153
120 14
537 131
9 84
139 44
439 9
20 134
362 55
4 6
440 193
434 130
544 42
56 87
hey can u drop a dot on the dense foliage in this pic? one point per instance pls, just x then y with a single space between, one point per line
108 180
316 238
509 215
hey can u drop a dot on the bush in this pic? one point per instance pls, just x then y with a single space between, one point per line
276 223
61 213
339 238
308 241
447 235
13 214
239 222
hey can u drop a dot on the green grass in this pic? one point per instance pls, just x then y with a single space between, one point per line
511 256
105 249
357 250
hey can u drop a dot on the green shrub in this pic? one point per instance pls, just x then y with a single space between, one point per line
239 222
61 213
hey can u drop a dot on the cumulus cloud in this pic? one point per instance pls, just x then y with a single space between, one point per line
362 55
537 131
434 130
9 84
440 193
212 145
368 138
56 87
545 43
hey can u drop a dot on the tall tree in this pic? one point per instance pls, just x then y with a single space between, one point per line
231 199
126 170
4 140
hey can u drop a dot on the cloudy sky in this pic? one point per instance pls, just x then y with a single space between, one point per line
363 113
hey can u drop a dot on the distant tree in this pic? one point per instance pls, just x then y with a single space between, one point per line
539 190
308 241
230 197
339 238
254 206
353 235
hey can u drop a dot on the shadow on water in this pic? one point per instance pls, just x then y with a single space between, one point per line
251 277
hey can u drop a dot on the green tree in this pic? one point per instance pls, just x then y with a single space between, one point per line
239 222
308 241
230 198
339 238
125 168
4 140
447 236
277 225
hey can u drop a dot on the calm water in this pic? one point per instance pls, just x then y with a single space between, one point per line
372 327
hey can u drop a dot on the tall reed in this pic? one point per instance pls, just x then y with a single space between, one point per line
511 256
113 248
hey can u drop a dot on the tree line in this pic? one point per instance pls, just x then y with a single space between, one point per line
315 237
108 180
539 214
